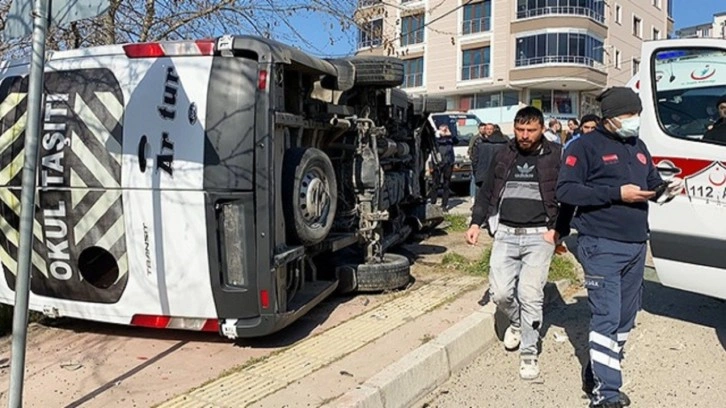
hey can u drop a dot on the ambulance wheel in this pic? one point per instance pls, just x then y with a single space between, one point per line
393 273
309 194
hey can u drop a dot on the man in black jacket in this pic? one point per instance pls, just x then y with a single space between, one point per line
717 131
517 205
444 166
610 176
483 152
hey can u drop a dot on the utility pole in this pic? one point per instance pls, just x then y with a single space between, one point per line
41 16
17 25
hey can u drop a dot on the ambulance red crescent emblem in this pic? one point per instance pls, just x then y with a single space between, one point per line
641 158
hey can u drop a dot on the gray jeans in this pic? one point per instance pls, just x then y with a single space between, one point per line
520 262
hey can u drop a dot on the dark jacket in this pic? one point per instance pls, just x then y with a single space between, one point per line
717 133
489 196
594 169
483 152
446 149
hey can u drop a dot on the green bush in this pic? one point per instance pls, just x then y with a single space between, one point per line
457 223
480 267
560 268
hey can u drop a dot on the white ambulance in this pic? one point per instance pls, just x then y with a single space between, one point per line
682 84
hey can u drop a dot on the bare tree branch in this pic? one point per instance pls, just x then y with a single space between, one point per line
158 20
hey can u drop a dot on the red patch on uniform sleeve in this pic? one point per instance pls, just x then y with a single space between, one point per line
571 161
641 158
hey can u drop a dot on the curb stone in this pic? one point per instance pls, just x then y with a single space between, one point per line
411 378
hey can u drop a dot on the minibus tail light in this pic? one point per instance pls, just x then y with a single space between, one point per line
170 49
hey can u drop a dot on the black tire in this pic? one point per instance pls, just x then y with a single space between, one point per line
428 104
378 71
393 273
309 195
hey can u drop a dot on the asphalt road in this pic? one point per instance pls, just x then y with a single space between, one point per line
676 357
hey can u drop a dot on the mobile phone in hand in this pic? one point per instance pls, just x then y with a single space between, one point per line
661 189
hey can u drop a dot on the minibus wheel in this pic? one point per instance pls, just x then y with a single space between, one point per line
375 70
309 194
393 273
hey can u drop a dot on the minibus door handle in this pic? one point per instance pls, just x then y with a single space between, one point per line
142 153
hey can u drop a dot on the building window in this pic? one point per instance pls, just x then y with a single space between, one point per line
475 64
656 34
477 17
637 27
371 34
618 59
412 29
559 48
636 66
594 9
413 72
492 99
618 14
554 102
657 3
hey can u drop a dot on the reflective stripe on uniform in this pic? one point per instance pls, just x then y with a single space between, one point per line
604 341
604 359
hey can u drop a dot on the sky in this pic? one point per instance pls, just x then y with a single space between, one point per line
317 29
691 12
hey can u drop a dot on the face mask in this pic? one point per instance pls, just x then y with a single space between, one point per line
629 127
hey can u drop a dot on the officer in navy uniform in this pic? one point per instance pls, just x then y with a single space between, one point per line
610 177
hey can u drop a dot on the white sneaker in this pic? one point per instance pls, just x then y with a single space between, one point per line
528 367
512 338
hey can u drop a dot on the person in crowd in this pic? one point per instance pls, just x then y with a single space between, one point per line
444 167
573 127
517 206
483 153
587 125
610 176
485 130
717 131
553 131
498 130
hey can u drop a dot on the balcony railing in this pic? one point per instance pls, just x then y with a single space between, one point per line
476 25
559 59
578 11
474 72
366 3
373 42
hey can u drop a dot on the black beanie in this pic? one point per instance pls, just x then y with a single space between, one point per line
720 101
617 101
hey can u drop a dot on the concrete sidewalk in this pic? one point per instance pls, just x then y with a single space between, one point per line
410 379
251 383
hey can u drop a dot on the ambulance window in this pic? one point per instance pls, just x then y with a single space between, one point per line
690 85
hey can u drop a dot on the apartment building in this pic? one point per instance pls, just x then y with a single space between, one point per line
494 56
712 29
